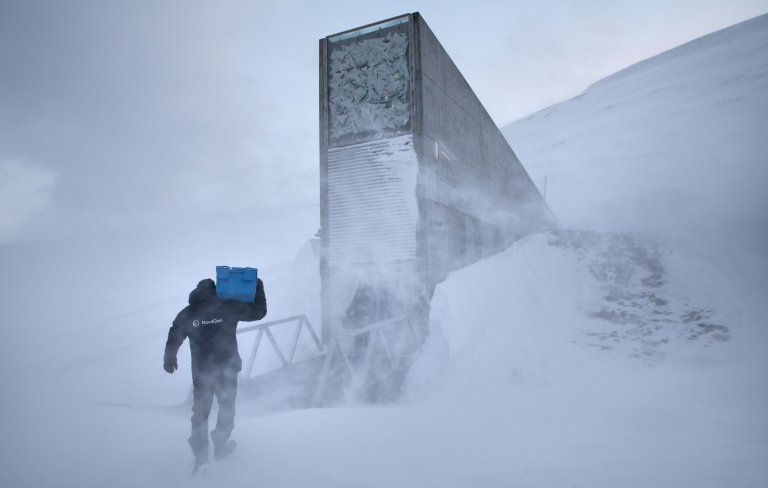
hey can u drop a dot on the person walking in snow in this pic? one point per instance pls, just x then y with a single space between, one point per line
210 323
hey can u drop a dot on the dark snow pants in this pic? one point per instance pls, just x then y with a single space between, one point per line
223 383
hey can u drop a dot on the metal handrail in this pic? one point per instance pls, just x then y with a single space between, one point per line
302 322
263 325
368 328
394 351
376 332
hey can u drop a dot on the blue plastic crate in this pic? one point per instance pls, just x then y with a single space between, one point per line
236 283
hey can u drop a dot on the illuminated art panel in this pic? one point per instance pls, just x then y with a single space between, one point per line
369 84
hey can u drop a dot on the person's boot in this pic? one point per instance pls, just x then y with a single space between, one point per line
198 467
223 449
200 452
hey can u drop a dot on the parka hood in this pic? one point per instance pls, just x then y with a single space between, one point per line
205 290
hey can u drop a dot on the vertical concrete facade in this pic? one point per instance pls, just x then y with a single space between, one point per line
475 196
416 179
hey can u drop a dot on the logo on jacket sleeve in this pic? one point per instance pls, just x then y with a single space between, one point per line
195 323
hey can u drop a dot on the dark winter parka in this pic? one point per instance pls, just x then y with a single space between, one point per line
211 323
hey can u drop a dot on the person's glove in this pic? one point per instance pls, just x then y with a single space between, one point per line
170 365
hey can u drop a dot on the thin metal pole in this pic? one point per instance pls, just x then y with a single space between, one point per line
295 344
308 325
363 373
386 349
255 349
276 347
324 372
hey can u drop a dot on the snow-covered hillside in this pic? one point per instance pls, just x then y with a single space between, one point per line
672 145
625 349
672 148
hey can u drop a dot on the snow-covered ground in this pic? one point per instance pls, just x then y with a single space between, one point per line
626 349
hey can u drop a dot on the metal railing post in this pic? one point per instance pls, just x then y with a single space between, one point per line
254 351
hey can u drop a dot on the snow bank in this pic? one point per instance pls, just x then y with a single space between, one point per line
515 345
673 145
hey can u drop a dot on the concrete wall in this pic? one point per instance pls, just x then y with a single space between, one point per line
475 195
369 171
472 196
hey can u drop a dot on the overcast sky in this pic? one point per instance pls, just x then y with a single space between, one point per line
119 115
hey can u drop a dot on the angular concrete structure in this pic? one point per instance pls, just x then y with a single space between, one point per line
416 179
